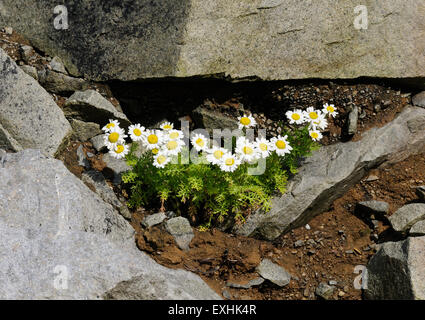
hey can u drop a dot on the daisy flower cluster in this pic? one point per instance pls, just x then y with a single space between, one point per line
316 119
163 143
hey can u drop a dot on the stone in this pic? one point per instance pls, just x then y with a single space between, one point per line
420 191
30 70
298 243
396 271
181 230
84 131
353 118
333 170
274 273
324 291
82 158
8 30
418 229
28 113
98 143
91 106
419 99
210 120
153 219
57 65
61 241
252 283
405 217
7 142
60 83
373 207
226 294
259 39
115 167
27 52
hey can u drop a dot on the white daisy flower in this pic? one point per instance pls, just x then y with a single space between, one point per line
166 126
152 139
120 151
135 131
295 116
215 155
114 136
264 147
311 114
110 125
200 142
175 134
315 135
245 149
161 160
281 145
246 121
173 147
329 109
320 123
229 162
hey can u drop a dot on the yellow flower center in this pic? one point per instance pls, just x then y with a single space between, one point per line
331 109
218 154
245 121
119 149
167 127
171 145
113 137
110 125
314 135
200 142
263 147
137 132
155 151
174 135
313 115
230 162
161 159
296 116
247 150
280 144
152 139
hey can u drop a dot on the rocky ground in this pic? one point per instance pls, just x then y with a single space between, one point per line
315 260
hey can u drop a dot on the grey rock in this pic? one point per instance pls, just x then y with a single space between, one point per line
8 30
405 217
252 283
7 142
226 294
82 158
418 229
98 143
324 291
91 106
27 52
60 83
56 232
353 118
298 243
419 99
373 207
85 130
332 170
57 65
181 230
333 282
97 181
30 70
153 219
238 40
372 178
115 167
273 272
28 113
420 191
397 271
210 120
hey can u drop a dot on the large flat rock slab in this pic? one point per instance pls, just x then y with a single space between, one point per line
29 118
59 240
266 39
332 170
